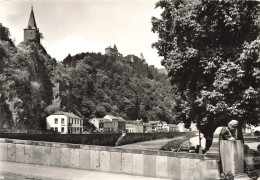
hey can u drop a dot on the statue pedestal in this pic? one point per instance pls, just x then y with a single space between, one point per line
232 156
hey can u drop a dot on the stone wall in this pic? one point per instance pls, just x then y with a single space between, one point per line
103 139
108 139
139 137
160 164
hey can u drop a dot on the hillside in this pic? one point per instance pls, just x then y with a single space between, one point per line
26 88
34 85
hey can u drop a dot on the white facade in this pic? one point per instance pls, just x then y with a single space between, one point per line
65 123
98 123
172 128
182 128
165 127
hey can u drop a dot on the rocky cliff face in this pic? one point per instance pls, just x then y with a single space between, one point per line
33 85
26 88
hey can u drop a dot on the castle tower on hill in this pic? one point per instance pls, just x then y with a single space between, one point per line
113 51
31 33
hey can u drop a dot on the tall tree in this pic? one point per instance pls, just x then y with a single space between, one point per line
5 34
211 51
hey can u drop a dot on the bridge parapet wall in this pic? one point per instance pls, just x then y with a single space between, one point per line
160 164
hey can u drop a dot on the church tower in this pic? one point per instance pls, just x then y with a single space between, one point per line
31 33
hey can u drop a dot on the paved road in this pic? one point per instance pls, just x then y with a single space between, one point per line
150 145
19 171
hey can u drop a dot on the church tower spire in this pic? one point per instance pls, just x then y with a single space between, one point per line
32 22
31 33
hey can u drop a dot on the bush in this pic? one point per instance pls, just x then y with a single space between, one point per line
226 176
252 173
257 133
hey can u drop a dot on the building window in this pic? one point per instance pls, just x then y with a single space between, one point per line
56 129
62 120
56 120
62 129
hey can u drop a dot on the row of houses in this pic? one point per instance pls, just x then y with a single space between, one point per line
69 123
111 123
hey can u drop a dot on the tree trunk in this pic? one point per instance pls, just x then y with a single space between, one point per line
239 131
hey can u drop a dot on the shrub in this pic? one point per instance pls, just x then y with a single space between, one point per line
257 133
226 176
252 173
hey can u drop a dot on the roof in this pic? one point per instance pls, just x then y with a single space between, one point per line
172 125
99 119
68 114
153 122
147 124
32 22
114 117
136 122
107 121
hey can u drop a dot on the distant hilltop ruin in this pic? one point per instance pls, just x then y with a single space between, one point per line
109 51
113 51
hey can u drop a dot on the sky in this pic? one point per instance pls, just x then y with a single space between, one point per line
75 26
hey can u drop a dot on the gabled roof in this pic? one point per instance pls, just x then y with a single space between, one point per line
154 122
147 124
136 122
110 116
68 114
32 22
114 117
172 125
98 119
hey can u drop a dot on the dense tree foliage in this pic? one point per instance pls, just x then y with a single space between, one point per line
5 34
96 85
211 51
26 88
34 85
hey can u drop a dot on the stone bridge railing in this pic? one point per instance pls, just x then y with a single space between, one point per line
160 164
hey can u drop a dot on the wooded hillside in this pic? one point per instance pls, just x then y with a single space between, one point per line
34 85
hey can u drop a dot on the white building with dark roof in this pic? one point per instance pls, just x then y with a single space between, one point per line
65 123
134 126
98 123
113 124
